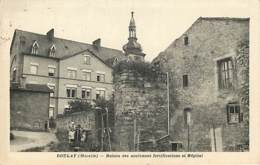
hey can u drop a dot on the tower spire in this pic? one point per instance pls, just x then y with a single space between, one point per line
132 27
133 49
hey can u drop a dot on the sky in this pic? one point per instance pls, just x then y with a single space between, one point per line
159 22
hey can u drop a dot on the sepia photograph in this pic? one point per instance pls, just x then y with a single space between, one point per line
70 95
133 76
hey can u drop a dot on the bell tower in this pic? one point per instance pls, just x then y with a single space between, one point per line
132 48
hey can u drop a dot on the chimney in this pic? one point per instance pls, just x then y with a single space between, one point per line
97 43
23 82
50 34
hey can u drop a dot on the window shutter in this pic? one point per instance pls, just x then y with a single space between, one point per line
228 113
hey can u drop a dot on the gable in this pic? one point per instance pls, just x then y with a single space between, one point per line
77 61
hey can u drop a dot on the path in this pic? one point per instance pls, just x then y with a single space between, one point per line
26 139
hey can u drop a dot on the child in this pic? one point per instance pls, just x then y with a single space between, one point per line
71 133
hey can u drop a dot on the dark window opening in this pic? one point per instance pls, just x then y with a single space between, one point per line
88 93
97 96
176 146
185 81
186 40
83 94
71 92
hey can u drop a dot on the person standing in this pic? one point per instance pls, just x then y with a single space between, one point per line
77 138
71 133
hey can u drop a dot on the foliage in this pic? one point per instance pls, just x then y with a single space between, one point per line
62 134
103 103
79 105
243 61
109 104
141 69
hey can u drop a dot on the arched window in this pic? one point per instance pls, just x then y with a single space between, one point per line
35 47
52 51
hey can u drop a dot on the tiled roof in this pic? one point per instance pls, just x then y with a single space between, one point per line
32 87
64 47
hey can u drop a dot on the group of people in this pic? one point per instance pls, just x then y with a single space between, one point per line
76 135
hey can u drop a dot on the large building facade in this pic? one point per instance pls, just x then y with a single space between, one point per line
73 70
208 111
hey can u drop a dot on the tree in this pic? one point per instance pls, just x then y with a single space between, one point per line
79 106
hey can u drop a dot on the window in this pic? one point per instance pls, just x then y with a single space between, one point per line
34 69
87 60
52 51
72 73
71 92
86 75
100 94
225 70
51 71
185 80
100 77
186 40
233 113
35 48
52 87
176 146
86 93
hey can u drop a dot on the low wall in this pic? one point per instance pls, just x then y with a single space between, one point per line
29 110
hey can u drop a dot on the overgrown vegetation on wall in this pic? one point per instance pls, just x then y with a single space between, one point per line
139 69
78 105
243 61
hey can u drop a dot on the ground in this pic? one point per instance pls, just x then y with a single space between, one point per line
24 140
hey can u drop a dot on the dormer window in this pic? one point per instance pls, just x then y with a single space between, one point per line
115 61
35 47
52 51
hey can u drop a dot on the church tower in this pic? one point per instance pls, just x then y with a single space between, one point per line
133 49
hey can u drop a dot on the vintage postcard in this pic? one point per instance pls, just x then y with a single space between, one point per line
145 82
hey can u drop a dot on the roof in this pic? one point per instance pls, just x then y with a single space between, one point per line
224 18
64 47
32 87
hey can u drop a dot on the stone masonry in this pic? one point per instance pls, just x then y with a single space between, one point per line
140 113
196 55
